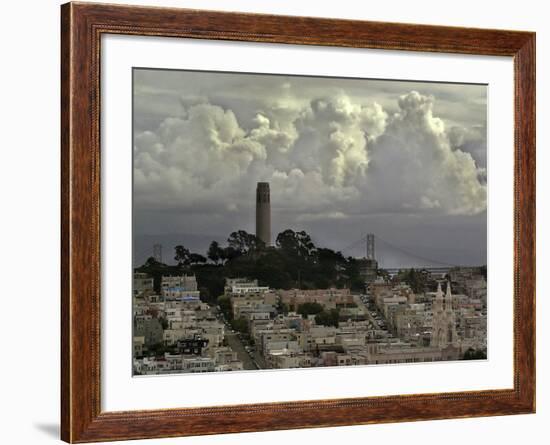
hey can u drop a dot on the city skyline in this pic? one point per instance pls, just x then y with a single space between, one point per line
344 157
305 222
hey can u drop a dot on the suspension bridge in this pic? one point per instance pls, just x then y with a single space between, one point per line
394 258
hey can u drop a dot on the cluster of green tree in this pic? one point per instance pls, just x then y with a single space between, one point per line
158 350
322 316
157 269
240 325
475 354
328 318
225 306
295 262
415 278
306 309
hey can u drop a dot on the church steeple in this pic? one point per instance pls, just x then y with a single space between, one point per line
443 323
448 298
439 293
438 303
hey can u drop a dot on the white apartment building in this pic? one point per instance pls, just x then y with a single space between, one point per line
239 286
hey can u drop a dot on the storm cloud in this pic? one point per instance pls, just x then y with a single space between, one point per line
336 152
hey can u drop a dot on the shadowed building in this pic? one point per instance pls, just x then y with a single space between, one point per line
263 213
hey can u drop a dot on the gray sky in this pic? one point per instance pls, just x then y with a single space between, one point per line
404 160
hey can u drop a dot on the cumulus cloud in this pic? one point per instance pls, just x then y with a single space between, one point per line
327 157
334 134
472 139
418 167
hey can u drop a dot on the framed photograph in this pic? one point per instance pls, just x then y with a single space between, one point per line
274 222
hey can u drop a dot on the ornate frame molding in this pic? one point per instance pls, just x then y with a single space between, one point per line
82 25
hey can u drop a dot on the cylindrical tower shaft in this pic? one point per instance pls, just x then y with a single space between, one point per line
263 213
370 246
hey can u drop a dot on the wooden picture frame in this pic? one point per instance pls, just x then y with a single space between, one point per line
82 26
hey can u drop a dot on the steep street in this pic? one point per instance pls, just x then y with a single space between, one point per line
235 344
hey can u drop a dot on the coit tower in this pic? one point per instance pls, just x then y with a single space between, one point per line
263 213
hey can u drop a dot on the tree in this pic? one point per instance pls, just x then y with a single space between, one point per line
205 294
182 255
152 262
306 309
210 281
328 318
414 278
164 323
240 325
230 253
215 252
225 306
475 354
330 257
244 242
196 258
297 243
331 268
158 349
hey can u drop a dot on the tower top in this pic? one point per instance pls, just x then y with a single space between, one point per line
263 185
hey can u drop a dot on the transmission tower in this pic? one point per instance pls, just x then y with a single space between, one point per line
370 246
157 252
